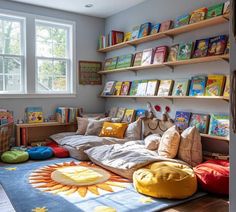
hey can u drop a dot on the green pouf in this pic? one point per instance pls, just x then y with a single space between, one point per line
15 156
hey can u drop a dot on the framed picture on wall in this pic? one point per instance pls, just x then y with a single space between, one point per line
88 72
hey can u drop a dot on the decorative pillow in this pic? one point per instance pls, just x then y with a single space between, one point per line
95 126
152 141
116 130
169 144
190 148
134 130
82 124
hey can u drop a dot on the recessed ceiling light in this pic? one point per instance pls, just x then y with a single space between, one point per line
88 5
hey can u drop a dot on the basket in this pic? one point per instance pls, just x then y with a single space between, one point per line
6 132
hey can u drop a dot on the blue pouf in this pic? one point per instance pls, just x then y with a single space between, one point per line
40 153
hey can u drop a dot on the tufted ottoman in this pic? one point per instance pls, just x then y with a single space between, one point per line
213 176
40 153
15 156
165 180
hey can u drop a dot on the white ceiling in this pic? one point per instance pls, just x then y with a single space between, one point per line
101 8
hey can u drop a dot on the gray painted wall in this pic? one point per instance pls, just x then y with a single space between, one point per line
87 32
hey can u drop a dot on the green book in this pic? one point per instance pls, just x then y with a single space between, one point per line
181 88
215 10
110 63
134 87
124 61
185 51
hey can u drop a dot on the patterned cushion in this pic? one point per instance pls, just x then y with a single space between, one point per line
40 153
169 144
190 148
116 130
95 126
15 156
152 141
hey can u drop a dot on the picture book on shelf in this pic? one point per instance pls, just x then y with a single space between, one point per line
109 88
147 57
124 61
182 119
217 45
144 30
113 111
226 7
214 86
200 121
125 88
201 48
117 89
197 86
142 87
117 37
152 87
219 125
129 116
110 63
227 87
34 114
185 51
134 87
198 15
135 31
120 113
181 87
165 88
160 55
155 29
215 10
172 57
165 26
127 36
182 20
138 59
140 113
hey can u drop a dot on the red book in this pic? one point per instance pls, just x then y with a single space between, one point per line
160 55
23 137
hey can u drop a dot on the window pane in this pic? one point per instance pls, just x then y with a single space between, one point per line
60 67
59 84
45 72
1 83
12 46
1 65
59 50
43 34
44 49
12 65
12 83
1 37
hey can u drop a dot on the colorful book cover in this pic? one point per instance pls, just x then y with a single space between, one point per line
129 116
198 15
34 114
134 87
125 88
120 113
135 32
200 121
119 37
138 59
166 26
160 55
155 29
181 88
110 63
165 88
227 87
182 20
127 36
140 113
109 88
117 89
197 86
124 61
215 10
172 57
226 8
147 57
144 30
113 111
217 45
152 87
227 47
185 51
182 119
219 125
142 87
214 86
201 48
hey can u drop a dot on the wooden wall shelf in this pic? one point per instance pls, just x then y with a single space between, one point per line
215 137
169 33
169 64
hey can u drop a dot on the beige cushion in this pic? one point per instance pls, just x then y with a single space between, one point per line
133 131
82 124
169 144
190 148
95 126
152 142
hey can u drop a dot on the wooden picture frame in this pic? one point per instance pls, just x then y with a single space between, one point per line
88 72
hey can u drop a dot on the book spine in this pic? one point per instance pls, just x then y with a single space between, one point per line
23 137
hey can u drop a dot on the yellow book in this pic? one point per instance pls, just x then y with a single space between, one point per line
118 87
127 36
165 87
227 86
129 116
214 86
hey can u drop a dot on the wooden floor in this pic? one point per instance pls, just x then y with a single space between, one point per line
205 204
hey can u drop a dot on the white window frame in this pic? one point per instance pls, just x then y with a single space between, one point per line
22 20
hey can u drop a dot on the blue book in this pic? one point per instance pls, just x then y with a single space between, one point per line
155 29
197 86
140 113
144 30
219 125
182 119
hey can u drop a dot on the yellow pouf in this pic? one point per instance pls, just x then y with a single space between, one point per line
166 180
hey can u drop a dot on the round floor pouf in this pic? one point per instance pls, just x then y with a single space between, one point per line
60 152
166 180
40 153
15 156
213 176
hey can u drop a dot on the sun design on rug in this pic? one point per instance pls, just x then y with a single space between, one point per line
75 177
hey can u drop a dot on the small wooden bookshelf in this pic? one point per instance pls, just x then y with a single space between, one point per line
170 33
214 137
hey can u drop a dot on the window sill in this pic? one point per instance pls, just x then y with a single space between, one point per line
32 96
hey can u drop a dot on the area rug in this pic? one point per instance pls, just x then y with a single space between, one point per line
68 185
